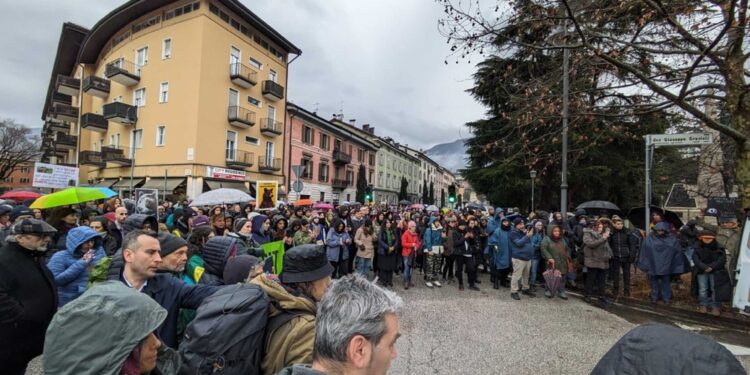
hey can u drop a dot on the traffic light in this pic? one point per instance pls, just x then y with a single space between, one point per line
452 194
368 194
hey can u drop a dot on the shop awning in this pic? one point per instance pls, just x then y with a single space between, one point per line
106 183
124 184
217 184
158 183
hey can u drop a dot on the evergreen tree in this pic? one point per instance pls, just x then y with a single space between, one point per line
361 184
425 193
432 193
442 197
402 194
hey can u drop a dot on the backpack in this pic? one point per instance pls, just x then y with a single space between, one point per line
227 334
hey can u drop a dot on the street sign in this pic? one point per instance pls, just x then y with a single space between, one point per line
298 186
298 170
686 139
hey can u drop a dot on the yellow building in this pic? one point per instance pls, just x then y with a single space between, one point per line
184 96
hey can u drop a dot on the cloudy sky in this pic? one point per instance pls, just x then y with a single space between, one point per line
382 59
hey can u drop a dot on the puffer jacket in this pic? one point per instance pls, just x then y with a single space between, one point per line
521 247
293 341
71 272
216 253
596 251
333 243
409 242
432 236
623 245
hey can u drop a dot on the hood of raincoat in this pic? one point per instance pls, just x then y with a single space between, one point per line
78 236
661 349
217 251
95 333
662 255
137 221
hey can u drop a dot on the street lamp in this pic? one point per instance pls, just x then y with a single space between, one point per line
532 174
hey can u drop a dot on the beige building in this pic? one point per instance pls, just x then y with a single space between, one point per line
184 96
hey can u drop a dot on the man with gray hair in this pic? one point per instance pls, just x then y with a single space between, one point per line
356 329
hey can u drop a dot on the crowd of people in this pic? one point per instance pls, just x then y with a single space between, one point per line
71 259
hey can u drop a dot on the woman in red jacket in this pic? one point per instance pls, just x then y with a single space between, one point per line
409 245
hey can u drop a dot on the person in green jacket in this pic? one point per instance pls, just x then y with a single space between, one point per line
557 254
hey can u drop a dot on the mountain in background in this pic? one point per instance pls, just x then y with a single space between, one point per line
449 155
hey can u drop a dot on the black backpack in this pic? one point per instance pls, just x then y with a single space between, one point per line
228 332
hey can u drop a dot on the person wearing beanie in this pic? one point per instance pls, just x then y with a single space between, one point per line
294 297
243 231
173 253
710 274
242 269
216 253
200 220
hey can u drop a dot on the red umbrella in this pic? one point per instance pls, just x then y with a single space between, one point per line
21 195
303 202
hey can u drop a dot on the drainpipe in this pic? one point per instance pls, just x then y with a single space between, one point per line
287 174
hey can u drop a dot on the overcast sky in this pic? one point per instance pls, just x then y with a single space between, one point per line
383 59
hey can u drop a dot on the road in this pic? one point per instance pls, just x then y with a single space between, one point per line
445 331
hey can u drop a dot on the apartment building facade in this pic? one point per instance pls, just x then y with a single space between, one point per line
21 177
181 95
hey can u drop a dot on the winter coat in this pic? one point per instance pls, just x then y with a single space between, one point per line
557 251
292 342
259 235
71 272
116 233
521 247
498 248
623 244
333 244
713 256
115 319
596 251
494 222
172 294
388 261
729 239
250 246
302 237
138 221
365 243
432 236
536 243
409 242
662 256
456 243
28 300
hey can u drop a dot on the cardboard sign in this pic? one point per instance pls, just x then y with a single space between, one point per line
267 194
147 201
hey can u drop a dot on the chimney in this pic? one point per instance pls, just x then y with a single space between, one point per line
372 130
352 121
366 127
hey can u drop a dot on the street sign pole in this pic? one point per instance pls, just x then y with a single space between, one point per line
647 195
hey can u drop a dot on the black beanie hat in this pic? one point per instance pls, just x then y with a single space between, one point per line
238 268
170 243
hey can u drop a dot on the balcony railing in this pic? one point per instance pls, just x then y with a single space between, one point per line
94 122
67 85
340 157
123 113
123 72
269 164
93 158
239 159
116 155
270 127
55 126
241 117
340 183
273 91
66 141
242 75
61 99
96 86
63 112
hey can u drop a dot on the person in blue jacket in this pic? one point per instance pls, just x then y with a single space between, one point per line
71 266
521 252
536 243
337 242
498 250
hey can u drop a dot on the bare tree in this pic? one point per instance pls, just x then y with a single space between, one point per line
675 55
17 146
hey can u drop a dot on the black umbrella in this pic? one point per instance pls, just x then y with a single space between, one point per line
404 202
475 206
636 216
593 206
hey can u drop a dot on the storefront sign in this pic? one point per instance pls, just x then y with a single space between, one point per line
54 176
225 174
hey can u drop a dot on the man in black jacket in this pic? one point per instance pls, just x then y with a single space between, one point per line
624 246
28 295
141 254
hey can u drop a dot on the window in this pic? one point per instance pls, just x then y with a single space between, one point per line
136 141
139 97
369 179
166 49
307 135
231 153
269 153
164 92
272 75
161 132
24 180
251 140
235 57
322 196
24 169
372 159
253 101
323 172
234 97
141 59
324 141
337 145
114 140
349 177
255 63
361 155
308 164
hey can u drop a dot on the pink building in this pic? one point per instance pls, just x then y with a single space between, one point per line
330 153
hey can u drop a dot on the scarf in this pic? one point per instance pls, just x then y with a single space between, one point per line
389 236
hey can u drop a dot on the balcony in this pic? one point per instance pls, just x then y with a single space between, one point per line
67 86
54 126
125 114
96 86
239 159
123 72
58 98
266 165
269 127
242 75
241 117
340 157
62 113
69 142
340 184
94 122
273 91
115 155
92 158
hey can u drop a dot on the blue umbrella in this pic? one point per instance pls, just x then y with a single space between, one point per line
107 191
